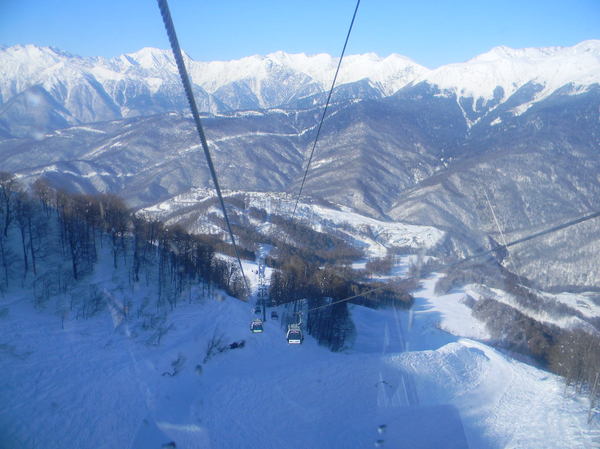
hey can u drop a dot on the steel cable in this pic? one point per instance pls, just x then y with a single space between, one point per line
187 86
474 256
337 70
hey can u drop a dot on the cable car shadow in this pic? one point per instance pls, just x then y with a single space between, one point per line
389 330
424 327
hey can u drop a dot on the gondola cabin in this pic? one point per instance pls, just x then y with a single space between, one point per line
294 334
256 326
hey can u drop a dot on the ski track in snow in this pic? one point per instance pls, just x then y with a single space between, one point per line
96 384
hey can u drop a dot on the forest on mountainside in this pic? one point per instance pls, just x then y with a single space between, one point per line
50 239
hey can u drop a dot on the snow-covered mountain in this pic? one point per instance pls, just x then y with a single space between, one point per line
427 166
83 90
518 126
387 74
411 157
49 89
510 69
490 79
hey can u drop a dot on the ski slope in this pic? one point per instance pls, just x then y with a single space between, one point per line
404 382
372 236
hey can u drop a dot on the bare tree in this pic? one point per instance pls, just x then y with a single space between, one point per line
8 189
44 193
23 212
116 221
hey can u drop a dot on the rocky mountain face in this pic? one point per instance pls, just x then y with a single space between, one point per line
500 146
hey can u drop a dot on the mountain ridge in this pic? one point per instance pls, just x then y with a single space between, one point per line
423 155
92 89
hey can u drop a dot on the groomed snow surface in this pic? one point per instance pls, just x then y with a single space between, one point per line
403 383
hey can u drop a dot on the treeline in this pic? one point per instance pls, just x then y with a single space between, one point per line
289 238
286 236
493 275
574 354
298 278
479 271
330 324
382 265
294 238
512 329
54 227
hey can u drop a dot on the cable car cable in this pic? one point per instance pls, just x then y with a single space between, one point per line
187 86
312 151
548 231
475 256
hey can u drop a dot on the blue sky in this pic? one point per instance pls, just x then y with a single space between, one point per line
432 33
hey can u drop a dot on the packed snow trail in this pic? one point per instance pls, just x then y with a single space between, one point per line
503 403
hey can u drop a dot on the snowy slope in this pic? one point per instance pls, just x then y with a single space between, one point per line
577 306
371 235
510 69
95 384
377 234
390 73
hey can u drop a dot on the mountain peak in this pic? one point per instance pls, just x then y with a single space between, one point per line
278 78
589 46
35 52
504 52
510 69
150 57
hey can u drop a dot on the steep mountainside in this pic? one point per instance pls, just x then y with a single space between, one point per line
492 78
505 144
530 171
